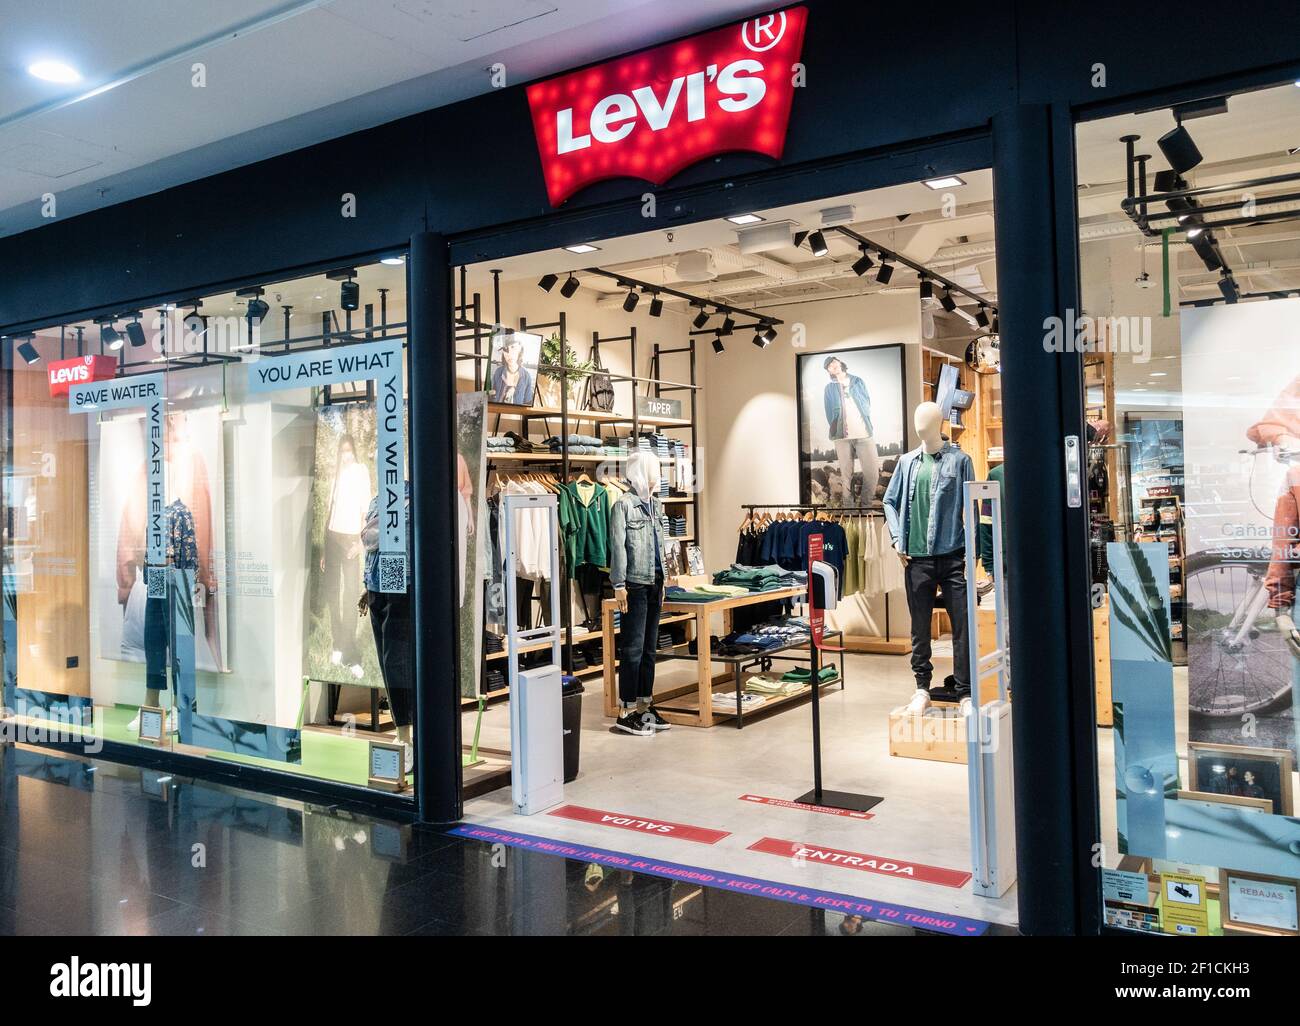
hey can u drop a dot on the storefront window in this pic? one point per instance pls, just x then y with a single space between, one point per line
1191 300
205 528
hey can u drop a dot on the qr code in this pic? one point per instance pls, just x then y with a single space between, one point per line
392 573
157 577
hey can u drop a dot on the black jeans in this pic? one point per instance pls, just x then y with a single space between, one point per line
390 619
638 639
924 577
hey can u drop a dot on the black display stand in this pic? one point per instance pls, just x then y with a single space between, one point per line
846 800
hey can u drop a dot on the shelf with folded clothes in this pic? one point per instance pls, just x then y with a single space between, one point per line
587 416
580 635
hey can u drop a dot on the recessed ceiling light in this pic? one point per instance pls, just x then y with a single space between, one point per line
393 261
745 219
1159 374
54 71
946 182
581 248
1140 390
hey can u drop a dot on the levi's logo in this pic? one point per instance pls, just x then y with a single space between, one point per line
651 114
63 374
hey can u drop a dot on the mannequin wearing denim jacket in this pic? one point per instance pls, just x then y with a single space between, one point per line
935 563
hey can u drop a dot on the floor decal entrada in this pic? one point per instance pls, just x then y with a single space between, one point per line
821 855
846 904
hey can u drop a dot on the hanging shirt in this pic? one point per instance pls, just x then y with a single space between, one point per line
919 524
587 543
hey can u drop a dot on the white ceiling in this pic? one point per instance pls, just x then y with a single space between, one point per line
280 74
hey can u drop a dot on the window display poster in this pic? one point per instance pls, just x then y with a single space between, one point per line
339 647
850 420
1241 396
513 374
195 491
1260 902
471 522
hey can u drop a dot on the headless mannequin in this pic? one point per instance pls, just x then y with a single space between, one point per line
643 473
928 421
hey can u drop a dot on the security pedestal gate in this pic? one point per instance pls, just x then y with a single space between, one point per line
536 710
988 724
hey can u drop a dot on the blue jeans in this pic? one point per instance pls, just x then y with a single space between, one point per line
638 640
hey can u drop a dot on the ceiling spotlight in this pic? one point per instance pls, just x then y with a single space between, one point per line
257 309
135 332
109 337
885 273
1228 286
582 247
656 305
54 71
817 243
631 299
349 295
27 349
718 347
946 301
982 316
946 182
745 219
548 282
1208 250
769 333
1193 232
1179 149
759 340
569 287
701 318
927 288
194 322
1169 181
863 263
799 238
728 326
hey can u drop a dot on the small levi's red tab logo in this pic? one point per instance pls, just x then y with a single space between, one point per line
651 114
821 855
660 827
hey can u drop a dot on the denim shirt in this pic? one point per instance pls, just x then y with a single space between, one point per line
636 541
945 533
831 398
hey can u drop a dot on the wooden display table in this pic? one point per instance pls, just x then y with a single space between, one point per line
692 704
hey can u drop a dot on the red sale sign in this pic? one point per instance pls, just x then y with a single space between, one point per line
63 374
651 114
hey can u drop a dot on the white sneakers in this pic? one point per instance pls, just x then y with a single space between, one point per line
920 702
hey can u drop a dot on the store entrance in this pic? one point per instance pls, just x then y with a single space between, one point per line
701 403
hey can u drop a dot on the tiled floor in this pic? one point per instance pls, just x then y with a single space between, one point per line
92 848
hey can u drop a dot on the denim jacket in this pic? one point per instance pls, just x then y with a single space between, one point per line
834 415
945 533
631 541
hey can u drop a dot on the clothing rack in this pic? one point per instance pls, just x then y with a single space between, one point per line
886 645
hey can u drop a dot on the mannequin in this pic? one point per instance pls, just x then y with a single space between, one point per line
924 510
637 572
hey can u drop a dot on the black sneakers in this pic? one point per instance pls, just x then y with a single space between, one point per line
656 721
633 722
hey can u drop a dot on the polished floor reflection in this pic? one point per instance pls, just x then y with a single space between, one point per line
92 848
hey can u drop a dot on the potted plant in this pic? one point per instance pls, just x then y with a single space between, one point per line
548 380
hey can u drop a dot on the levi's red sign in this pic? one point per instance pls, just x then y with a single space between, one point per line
651 114
645 826
63 374
816 853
